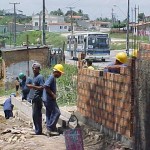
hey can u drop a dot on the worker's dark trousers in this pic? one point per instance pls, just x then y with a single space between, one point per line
8 114
52 114
37 115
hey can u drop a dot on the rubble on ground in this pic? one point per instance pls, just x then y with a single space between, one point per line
17 134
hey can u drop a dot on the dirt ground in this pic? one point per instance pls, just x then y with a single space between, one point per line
16 134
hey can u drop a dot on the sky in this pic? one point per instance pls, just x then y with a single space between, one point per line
95 8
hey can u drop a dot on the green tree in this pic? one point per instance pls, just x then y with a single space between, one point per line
5 20
80 12
141 16
69 12
58 12
2 12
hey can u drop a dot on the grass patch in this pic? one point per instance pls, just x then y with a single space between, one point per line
54 39
144 39
5 93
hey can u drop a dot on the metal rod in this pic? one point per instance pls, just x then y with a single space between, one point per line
14 22
44 41
127 36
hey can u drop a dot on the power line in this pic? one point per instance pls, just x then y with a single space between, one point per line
71 4
14 22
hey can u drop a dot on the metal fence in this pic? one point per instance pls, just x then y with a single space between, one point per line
142 100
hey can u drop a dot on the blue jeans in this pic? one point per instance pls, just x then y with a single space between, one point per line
52 114
37 115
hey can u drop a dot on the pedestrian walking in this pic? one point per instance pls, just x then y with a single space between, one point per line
37 87
23 85
49 99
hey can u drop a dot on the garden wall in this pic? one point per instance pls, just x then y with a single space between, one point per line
105 98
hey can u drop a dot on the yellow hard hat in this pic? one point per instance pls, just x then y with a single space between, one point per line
134 53
59 67
122 57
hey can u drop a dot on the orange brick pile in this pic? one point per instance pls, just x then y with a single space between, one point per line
106 99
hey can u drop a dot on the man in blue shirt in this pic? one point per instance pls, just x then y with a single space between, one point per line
49 99
23 85
121 59
8 107
37 91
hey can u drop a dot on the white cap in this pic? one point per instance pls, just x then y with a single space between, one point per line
37 65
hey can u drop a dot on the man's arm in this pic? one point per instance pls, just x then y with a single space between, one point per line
48 90
30 86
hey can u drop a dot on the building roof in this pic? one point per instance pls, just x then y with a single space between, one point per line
143 23
76 17
61 23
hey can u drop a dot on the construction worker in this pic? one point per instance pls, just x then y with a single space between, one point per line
49 99
121 59
89 65
8 107
37 87
23 85
134 53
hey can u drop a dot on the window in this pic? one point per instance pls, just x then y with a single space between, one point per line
61 27
65 27
80 39
36 23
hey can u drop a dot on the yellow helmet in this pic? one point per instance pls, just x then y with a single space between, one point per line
134 53
59 67
122 57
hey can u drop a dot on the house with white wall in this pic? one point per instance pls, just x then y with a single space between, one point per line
37 20
59 27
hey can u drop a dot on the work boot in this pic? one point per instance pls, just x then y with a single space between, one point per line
52 133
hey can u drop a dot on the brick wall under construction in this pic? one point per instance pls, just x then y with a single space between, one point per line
106 98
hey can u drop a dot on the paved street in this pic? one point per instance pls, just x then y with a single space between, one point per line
100 64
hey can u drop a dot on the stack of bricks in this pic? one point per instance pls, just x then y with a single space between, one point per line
106 99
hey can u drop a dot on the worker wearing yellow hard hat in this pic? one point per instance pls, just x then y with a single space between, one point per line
59 68
49 100
134 53
121 59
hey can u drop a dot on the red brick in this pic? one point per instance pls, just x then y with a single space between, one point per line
96 73
127 133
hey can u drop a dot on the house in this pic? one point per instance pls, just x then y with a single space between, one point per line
37 20
143 29
59 27
19 27
99 24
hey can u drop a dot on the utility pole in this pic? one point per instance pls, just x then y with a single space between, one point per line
138 12
14 22
112 16
44 41
133 26
128 15
71 19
